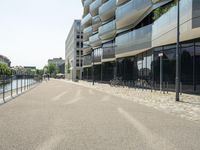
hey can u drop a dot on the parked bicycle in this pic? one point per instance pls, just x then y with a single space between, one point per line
117 81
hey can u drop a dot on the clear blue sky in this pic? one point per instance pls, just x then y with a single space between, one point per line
31 31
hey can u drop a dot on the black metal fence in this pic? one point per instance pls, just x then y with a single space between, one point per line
11 86
165 87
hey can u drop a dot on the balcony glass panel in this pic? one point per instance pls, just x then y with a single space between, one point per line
129 13
108 30
86 21
120 2
87 3
108 50
87 60
85 11
95 40
164 27
86 46
96 23
94 7
87 32
135 40
97 54
107 10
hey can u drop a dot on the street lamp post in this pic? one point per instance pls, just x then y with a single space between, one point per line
93 67
161 71
178 54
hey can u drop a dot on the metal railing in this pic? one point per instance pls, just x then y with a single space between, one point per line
145 85
12 86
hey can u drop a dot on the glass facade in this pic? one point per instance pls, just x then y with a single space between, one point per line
129 43
87 73
97 72
197 67
190 64
108 71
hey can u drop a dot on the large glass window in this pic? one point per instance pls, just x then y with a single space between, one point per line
97 72
197 66
187 67
120 69
149 66
156 68
169 65
108 71
139 65
128 68
144 65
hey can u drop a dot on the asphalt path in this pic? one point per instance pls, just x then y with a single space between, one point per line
57 115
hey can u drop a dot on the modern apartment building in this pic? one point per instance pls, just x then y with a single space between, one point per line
126 38
74 52
5 60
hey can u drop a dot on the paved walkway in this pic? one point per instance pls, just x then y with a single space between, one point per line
63 116
188 107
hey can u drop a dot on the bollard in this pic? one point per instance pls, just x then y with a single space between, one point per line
181 88
164 88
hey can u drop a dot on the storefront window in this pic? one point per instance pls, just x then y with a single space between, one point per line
149 66
139 65
197 68
169 66
187 67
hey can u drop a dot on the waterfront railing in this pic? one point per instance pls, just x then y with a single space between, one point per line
12 86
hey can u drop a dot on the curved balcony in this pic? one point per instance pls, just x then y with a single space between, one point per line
120 2
87 32
87 3
85 11
97 55
87 60
95 40
130 12
94 7
86 21
134 41
96 23
107 10
108 50
165 27
107 31
86 47
86 7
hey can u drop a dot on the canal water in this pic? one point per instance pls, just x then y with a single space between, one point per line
16 84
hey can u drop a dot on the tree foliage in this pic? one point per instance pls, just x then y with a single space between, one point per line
162 10
5 70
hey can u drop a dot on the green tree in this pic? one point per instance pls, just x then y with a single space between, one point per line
52 69
39 72
162 10
5 70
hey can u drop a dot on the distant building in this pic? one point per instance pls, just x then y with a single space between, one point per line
32 70
5 60
74 52
59 62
